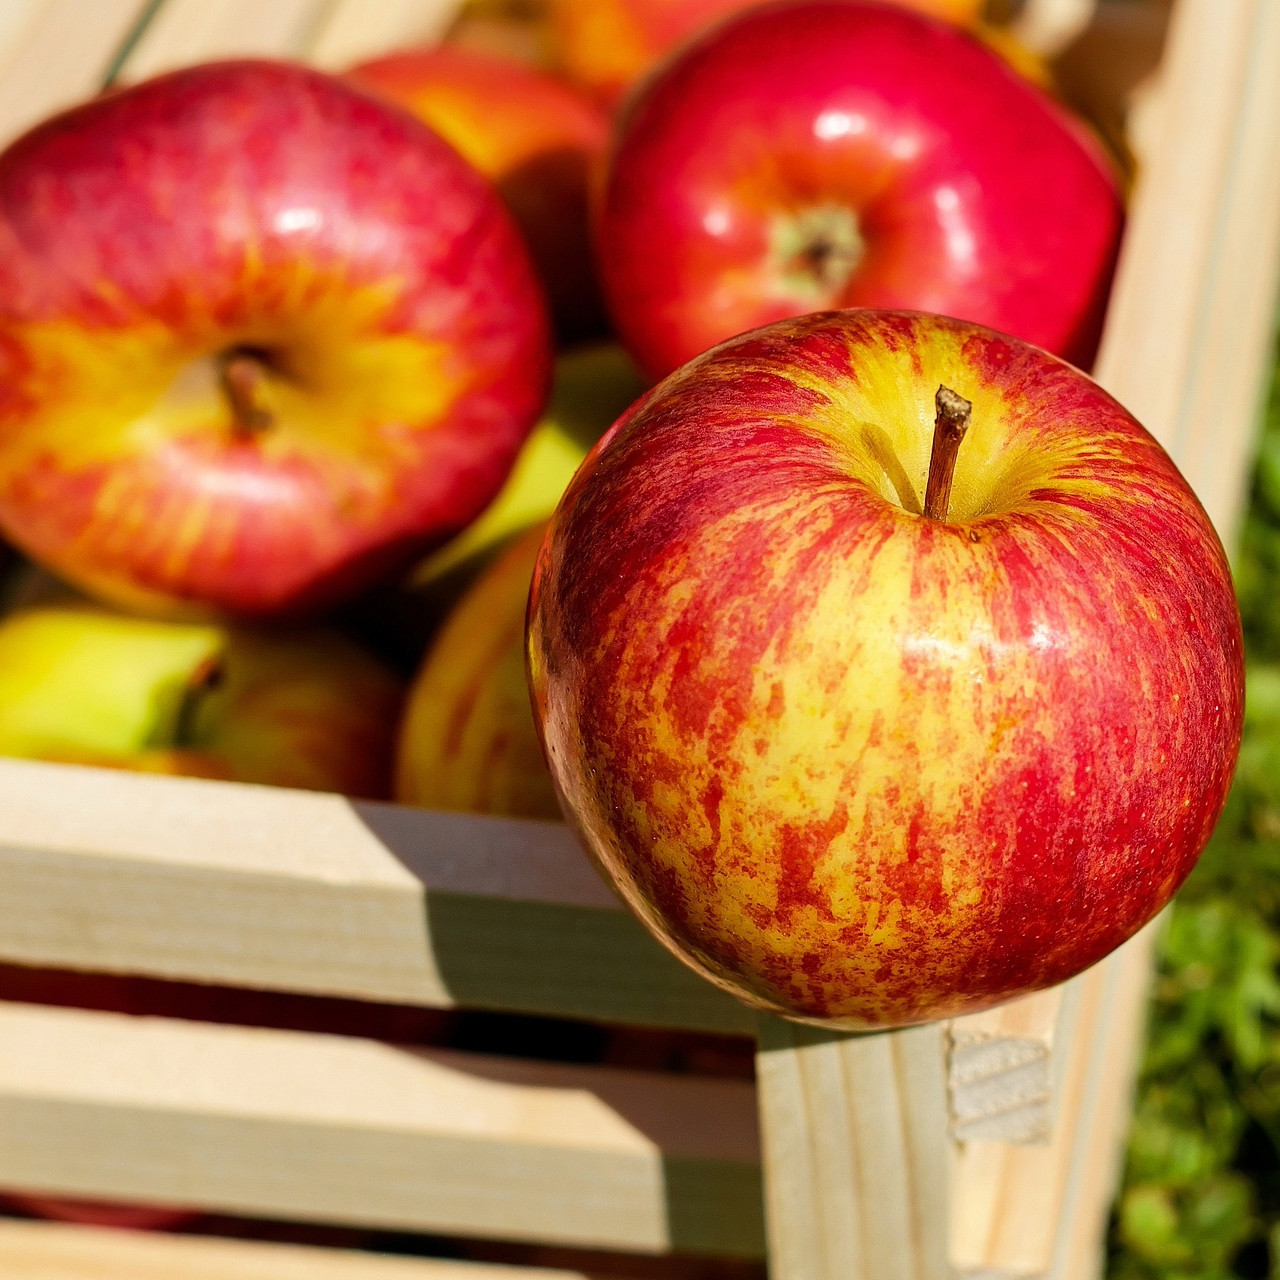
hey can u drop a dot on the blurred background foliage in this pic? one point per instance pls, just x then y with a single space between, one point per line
1201 1192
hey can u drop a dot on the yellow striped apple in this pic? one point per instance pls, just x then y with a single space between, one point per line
263 337
468 740
836 153
867 728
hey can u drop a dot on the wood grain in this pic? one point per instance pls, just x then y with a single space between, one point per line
1040 1211
295 891
336 1129
856 1153
48 1251
1005 1066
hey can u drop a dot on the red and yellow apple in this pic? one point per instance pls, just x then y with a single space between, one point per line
536 138
263 338
861 757
606 45
295 709
833 153
468 740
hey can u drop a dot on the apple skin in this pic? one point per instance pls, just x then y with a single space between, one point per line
305 708
536 138
468 740
853 764
606 45
370 277
831 153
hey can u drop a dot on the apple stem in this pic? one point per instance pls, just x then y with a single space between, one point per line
241 375
949 427
207 677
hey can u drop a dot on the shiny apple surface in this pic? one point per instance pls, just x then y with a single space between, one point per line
834 153
263 336
853 763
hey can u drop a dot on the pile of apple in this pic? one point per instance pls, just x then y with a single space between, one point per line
885 664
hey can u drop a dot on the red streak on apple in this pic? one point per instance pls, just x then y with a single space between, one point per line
841 154
860 765
270 212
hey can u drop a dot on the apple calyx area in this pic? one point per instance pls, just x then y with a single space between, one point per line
949 428
241 374
815 252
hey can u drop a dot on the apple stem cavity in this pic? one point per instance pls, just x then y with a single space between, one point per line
952 421
208 677
241 374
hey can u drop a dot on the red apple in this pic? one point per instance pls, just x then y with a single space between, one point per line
832 153
301 708
858 752
606 45
536 138
263 337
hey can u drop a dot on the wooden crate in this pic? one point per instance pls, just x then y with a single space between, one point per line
985 1147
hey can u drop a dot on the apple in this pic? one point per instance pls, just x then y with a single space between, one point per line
593 385
296 709
264 336
606 45
468 740
536 138
859 750
831 153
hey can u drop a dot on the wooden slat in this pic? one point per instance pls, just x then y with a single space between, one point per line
357 29
188 31
1189 332
328 1128
1005 1067
856 1153
1005 1219
49 1251
1099 1127
55 52
1039 1211
292 891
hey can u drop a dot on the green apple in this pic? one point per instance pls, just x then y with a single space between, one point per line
300 709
